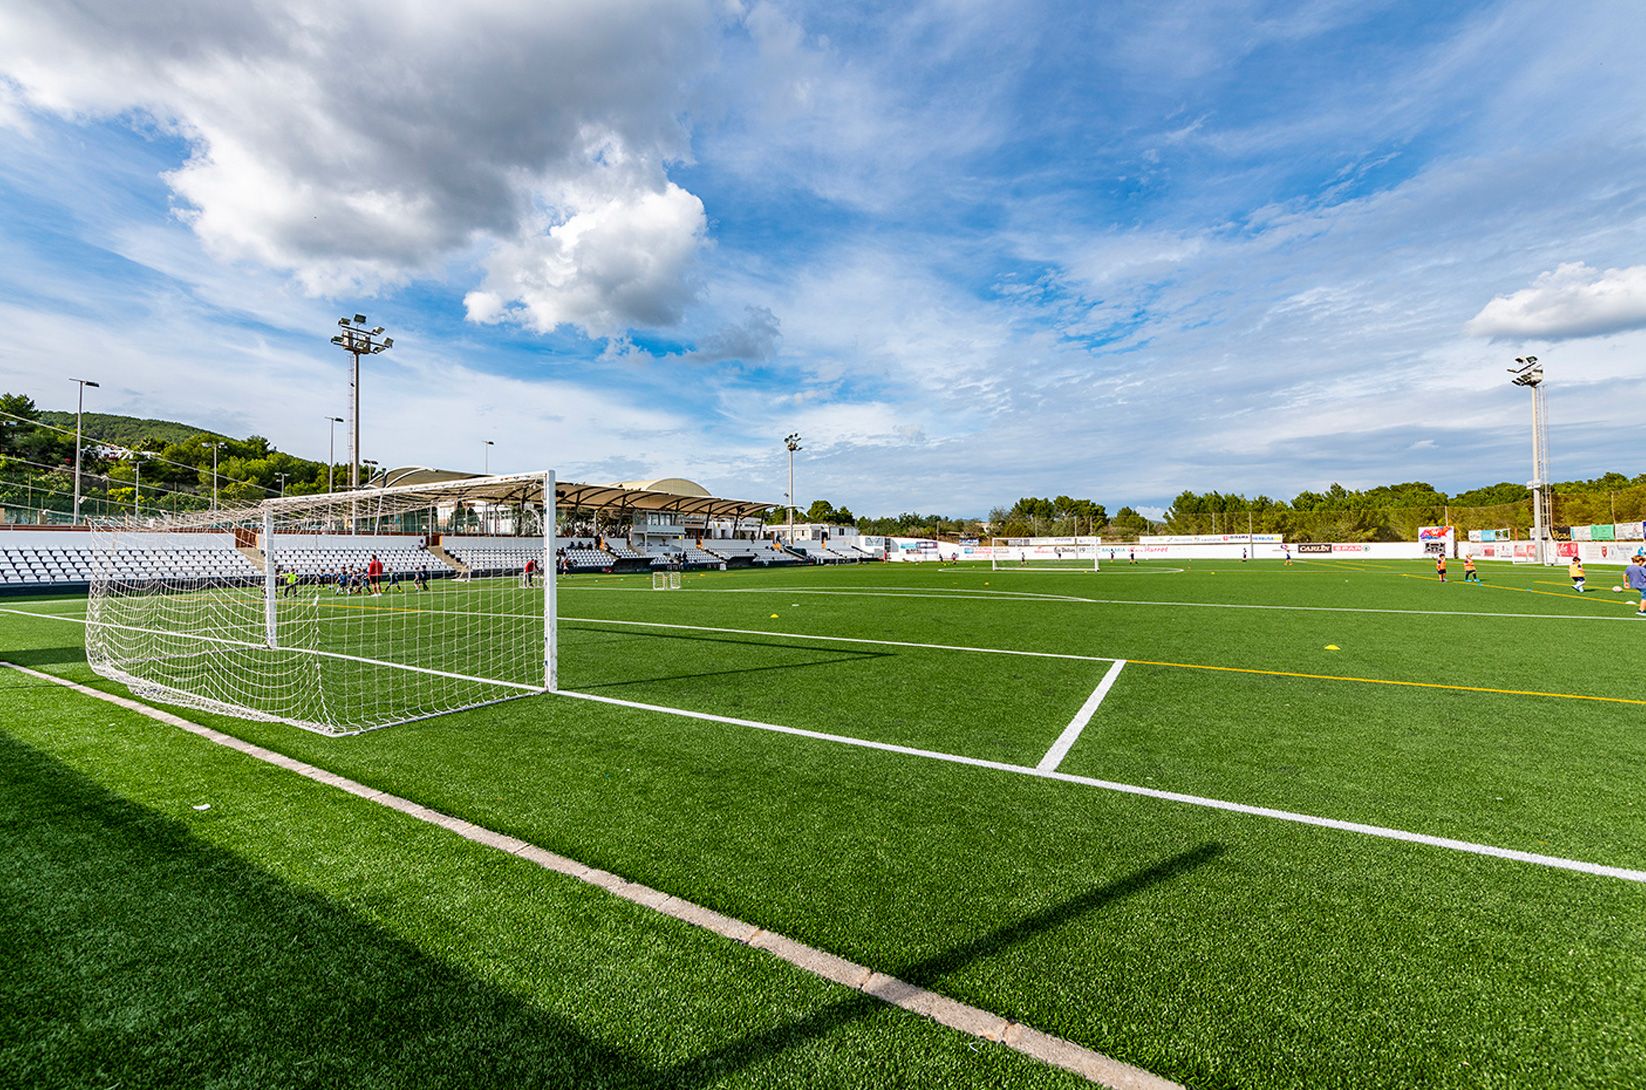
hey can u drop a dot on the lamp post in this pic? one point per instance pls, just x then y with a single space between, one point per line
792 442
358 341
488 450
1530 375
216 445
79 415
331 449
283 478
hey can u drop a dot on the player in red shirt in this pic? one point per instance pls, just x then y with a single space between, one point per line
374 574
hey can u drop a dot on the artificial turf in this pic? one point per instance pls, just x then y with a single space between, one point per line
1215 948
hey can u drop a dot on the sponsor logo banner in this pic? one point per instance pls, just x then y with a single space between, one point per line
1435 533
1211 539
1313 547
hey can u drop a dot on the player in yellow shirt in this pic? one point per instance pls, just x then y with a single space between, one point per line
1575 570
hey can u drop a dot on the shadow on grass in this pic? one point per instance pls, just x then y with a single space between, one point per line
762 1046
137 954
38 657
837 656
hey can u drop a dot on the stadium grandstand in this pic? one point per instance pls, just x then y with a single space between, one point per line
633 526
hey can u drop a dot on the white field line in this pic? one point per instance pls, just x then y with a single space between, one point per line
287 650
1025 596
848 639
1071 733
1065 777
1223 605
1379 831
1011 596
974 1021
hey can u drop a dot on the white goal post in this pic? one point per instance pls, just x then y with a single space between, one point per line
665 580
1045 553
337 612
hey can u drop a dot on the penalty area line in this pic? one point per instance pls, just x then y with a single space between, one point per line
1094 1066
1071 733
1380 832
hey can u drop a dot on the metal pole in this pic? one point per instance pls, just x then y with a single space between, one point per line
270 632
137 490
79 420
791 496
214 449
354 426
331 449
551 649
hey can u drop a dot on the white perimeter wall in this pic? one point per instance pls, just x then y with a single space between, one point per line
917 549
1592 552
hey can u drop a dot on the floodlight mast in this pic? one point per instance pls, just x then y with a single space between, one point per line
357 340
1529 374
79 419
792 442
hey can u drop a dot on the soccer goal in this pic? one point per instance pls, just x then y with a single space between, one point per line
337 613
1044 553
665 580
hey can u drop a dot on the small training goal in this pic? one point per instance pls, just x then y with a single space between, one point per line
665 580
1044 553
337 613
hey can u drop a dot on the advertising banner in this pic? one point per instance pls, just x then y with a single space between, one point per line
1602 532
1211 539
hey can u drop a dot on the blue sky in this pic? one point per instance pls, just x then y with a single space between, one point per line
969 251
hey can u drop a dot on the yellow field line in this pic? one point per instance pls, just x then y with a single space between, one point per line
1529 590
1387 681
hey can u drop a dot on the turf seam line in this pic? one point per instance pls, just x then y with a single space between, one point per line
1381 832
962 1017
1071 733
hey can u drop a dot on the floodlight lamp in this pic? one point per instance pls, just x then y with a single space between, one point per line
359 319
376 331
388 342
344 322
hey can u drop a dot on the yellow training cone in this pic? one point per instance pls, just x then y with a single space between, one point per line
774 614
1333 647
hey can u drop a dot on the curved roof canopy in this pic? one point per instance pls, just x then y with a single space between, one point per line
662 494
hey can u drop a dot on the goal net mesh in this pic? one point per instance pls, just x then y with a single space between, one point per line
1045 553
337 613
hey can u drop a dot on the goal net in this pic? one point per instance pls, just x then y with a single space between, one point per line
337 613
1044 553
665 580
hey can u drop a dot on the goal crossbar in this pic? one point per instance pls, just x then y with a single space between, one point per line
1071 554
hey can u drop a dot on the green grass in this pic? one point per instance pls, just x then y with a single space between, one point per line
1215 948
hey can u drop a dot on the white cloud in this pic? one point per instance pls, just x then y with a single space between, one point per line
1571 301
622 262
363 145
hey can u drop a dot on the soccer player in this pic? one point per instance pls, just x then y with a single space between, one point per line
1286 551
529 572
1469 573
290 588
1575 570
342 580
1440 566
374 574
1131 556
1635 575
1243 554
420 579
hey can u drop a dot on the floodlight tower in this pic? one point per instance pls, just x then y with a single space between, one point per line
358 341
79 419
792 442
1530 375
